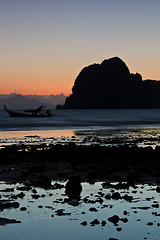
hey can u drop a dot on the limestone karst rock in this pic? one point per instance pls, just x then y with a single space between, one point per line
111 85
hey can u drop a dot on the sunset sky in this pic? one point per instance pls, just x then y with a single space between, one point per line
44 44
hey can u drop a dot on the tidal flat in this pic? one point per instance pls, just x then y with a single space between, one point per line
119 196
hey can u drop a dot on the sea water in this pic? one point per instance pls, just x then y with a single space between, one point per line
68 119
117 125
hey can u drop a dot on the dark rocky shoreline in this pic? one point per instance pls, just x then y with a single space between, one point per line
123 172
39 165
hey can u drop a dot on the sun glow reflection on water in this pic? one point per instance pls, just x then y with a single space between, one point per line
43 133
104 136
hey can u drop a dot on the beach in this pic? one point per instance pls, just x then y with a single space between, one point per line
120 187
118 176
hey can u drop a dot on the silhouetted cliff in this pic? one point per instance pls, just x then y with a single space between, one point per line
111 85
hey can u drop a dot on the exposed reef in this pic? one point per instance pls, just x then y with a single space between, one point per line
37 167
95 186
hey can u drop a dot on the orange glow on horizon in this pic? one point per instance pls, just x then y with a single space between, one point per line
29 92
34 91
55 88
38 86
42 81
45 44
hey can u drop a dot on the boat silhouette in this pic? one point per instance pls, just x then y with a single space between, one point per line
29 113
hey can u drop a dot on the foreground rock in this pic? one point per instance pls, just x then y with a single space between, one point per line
114 219
8 204
129 164
4 221
73 187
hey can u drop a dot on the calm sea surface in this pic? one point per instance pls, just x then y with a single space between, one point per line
71 119
113 126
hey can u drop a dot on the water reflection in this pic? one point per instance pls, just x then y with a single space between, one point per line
42 218
103 136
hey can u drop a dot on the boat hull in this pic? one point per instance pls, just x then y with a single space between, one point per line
28 115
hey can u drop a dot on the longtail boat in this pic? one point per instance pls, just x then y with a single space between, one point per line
29 113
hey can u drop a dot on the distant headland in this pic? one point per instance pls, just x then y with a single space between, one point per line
19 101
110 85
